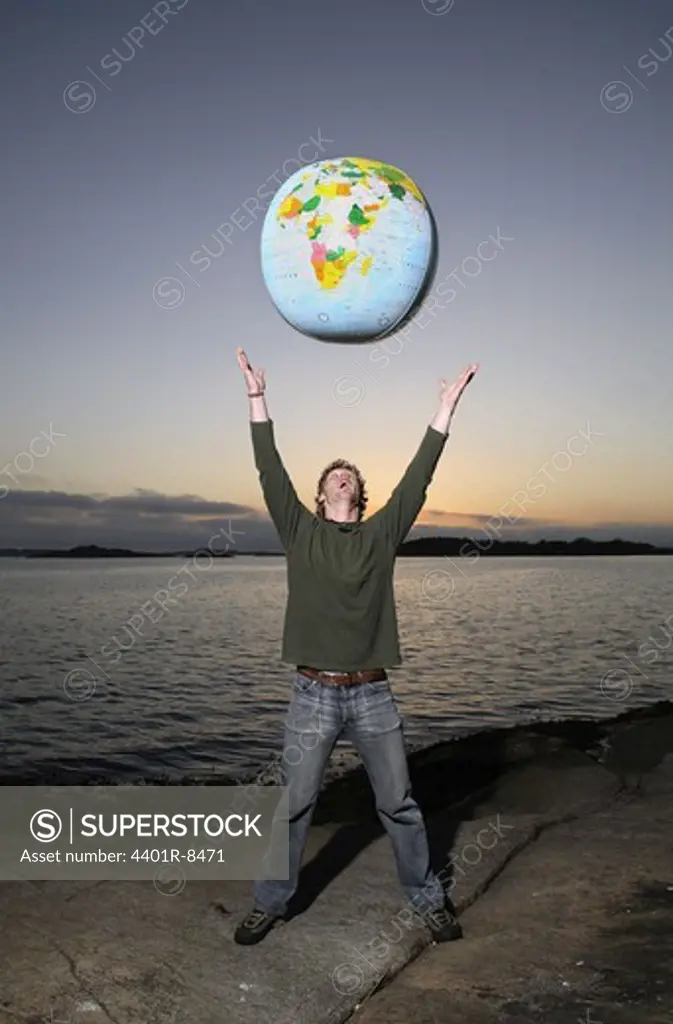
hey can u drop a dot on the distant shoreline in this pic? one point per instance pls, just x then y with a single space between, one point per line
467 548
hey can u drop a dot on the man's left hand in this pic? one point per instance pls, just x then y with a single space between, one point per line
450 394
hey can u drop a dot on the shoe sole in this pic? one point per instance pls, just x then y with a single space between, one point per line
458 934
254 939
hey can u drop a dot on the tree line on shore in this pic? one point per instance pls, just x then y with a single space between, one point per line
456 547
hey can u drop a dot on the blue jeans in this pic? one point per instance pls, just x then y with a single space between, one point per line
365 713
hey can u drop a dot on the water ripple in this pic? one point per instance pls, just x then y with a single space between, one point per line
202 687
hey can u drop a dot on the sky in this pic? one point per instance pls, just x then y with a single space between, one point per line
133 131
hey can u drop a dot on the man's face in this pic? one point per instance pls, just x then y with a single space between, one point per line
340 484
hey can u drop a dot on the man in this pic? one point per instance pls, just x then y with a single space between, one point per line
341 632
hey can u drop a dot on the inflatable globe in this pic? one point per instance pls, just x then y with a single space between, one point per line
348 249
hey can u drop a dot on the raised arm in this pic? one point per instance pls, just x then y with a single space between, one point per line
280 496
399 513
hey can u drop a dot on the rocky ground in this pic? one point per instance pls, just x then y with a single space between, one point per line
560 841
578 927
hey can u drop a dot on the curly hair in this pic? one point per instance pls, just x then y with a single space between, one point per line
362 487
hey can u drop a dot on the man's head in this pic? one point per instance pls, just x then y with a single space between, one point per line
341 493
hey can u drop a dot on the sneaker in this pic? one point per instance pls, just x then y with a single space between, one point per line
255 926
444 925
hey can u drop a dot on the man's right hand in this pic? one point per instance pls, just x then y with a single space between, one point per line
254 379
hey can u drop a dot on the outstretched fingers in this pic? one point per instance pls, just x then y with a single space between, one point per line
243 361
465 378
467 374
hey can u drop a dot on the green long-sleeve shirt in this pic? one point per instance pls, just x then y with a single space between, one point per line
340 613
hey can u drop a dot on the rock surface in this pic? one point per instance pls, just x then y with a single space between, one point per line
561 868
578 928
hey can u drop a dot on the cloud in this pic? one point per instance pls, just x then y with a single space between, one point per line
467 519
660 534
145 520
149 521
140 500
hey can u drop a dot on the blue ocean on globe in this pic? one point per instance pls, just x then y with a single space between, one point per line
348 249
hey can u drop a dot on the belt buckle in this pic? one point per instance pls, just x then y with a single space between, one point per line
332 676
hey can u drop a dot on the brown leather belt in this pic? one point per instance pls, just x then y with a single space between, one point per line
368 675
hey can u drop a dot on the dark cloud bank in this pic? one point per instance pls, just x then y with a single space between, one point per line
149 521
